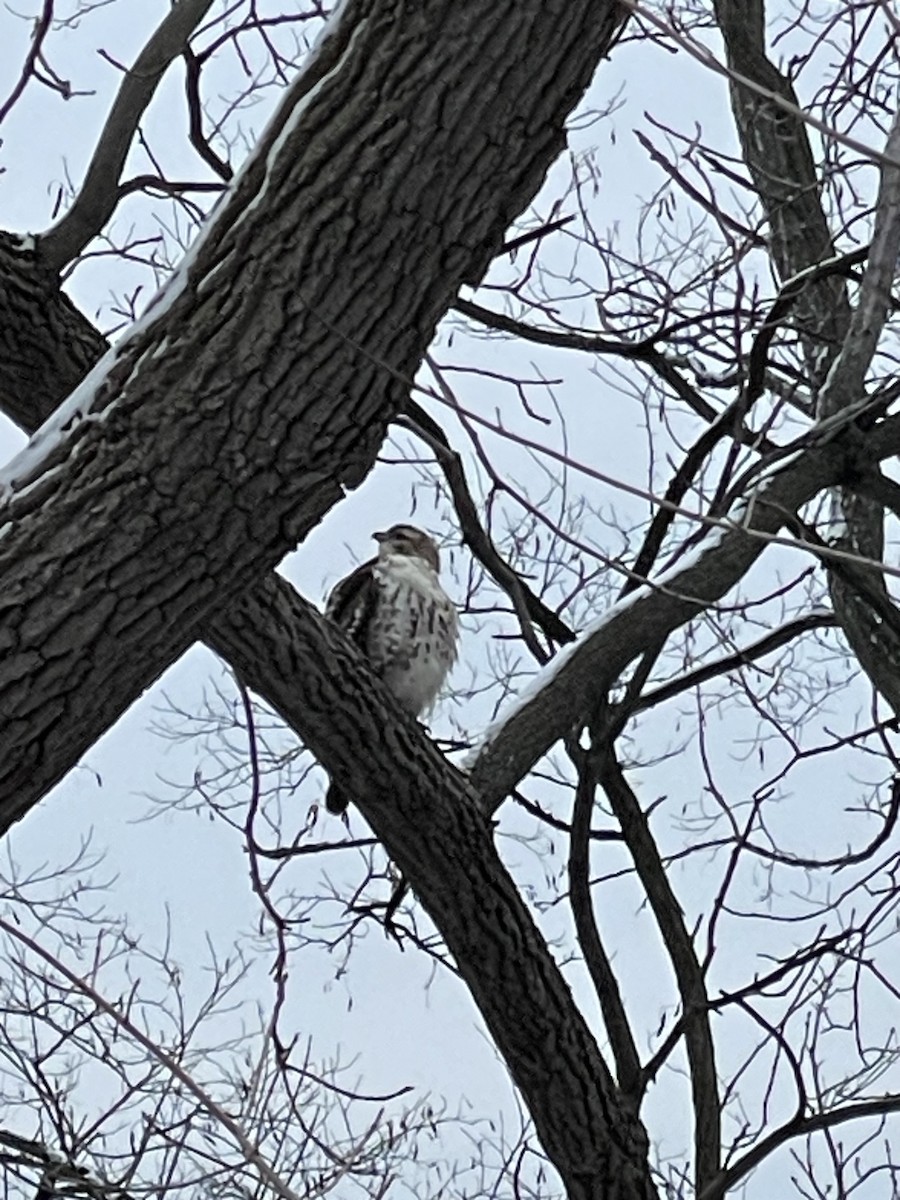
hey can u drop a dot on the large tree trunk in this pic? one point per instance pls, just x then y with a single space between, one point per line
261 383
221 431
225 425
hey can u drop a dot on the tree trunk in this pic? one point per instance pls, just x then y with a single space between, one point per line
260 384
208 442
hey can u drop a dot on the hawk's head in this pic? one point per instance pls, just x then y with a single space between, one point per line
408 541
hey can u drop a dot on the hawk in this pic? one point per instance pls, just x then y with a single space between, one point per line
394 608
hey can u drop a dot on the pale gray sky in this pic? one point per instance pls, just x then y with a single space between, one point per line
189 870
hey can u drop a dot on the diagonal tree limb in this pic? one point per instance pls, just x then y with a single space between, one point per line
198 138
433 827
799 1126
261 384
733 662
99 192
571 684
680 949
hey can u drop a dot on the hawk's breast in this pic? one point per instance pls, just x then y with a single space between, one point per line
413 631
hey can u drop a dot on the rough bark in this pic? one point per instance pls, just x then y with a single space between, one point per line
233 417
46 345
218 434
776 150
434 829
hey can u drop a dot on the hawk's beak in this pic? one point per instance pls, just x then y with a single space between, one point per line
381 536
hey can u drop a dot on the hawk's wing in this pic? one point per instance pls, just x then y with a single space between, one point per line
351 605
351 602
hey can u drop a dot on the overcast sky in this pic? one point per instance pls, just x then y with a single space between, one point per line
403 1022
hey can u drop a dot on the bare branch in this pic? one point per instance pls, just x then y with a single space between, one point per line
99 193
195 119
802 1126
734 662
527 604
746 78
41 28
615 1018
122 1020
680 948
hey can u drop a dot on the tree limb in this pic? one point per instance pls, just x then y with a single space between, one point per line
260 385
685 964
801 1126
606 986
99 193
733 662
580 674
432 826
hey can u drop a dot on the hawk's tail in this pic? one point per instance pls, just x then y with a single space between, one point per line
335 801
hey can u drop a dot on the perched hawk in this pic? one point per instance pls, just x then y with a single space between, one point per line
396 611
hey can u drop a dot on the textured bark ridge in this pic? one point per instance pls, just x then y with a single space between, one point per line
46 345
219 434
778 156
436 832
261 385
225 427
